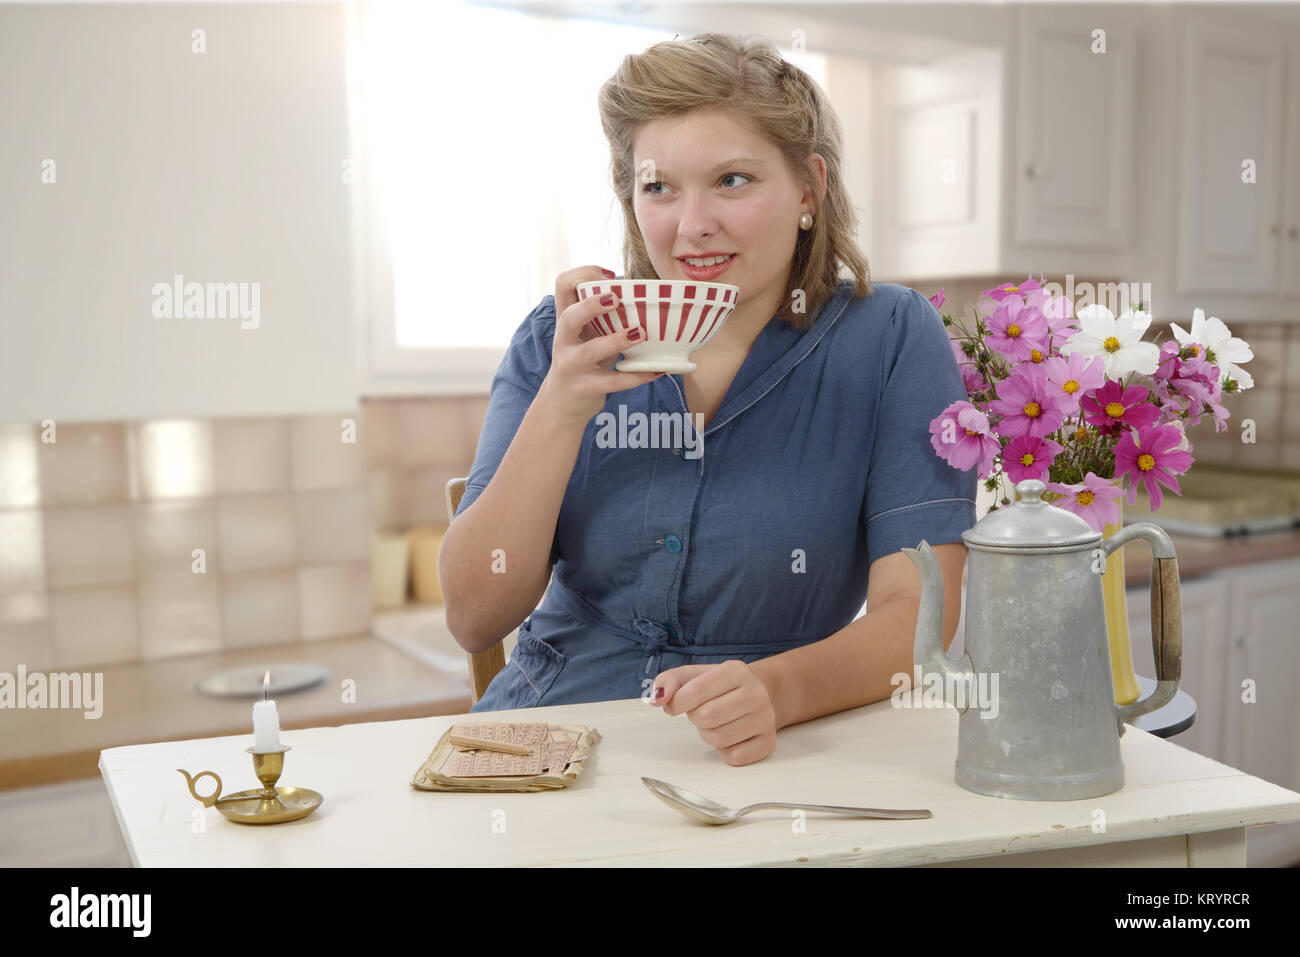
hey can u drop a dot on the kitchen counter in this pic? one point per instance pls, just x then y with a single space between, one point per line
153 701
1198 555
1176 807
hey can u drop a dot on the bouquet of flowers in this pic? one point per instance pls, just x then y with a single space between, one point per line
1083 405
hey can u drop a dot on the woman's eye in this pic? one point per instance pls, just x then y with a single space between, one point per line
648 187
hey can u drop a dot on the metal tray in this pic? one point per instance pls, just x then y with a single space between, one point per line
246 681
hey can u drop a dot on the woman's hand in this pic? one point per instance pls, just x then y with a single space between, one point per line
727 703
581 373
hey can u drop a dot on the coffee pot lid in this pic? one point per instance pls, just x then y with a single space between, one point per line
1030 523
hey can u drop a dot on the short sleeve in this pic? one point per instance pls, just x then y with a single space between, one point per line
513 388
912 493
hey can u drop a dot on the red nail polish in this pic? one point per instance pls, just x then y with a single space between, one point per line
659 693
607 272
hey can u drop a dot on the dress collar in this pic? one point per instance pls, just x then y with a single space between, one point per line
778 348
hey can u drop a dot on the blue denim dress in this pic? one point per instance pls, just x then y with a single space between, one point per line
760 539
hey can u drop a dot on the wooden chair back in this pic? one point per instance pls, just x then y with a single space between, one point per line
485 665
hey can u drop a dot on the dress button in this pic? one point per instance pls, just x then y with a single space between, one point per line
673 544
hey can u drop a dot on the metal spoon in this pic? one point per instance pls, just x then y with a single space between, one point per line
702 809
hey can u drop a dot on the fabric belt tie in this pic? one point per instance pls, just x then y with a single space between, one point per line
654 636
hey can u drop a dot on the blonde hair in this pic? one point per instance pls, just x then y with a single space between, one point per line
747 78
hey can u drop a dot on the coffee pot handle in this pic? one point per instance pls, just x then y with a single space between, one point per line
1166 614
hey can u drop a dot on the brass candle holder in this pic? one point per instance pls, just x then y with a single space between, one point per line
267 805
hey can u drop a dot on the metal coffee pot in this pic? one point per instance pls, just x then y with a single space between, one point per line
1036 635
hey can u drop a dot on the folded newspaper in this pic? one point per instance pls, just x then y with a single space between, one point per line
559 753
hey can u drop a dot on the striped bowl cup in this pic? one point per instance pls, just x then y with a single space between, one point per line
677 316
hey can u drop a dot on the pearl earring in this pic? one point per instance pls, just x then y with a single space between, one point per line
806 221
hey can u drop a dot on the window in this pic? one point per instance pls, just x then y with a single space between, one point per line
482 174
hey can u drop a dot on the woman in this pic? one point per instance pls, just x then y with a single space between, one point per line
722 586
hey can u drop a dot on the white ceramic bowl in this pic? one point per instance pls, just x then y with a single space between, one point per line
677 316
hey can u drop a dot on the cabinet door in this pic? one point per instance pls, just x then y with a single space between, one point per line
936 196
1205 616
1291 223
1262 736
1074 149
62 825
1232 92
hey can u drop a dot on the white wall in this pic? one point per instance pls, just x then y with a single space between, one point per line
223 166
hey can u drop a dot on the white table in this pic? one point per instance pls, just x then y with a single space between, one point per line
1177 808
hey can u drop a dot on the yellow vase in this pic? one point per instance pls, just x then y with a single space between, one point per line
1121 649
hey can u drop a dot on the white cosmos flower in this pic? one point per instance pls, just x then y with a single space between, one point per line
1228 350
1183 444
1116 341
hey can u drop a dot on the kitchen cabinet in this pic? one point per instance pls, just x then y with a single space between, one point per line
1241 662
935 200
1073 164
1262 729
1205 617
61 825
1234 104
1007 160
257 233
1291 224
1120 166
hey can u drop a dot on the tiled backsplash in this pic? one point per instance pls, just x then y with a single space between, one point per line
1273 403
413 447
122 541
99 527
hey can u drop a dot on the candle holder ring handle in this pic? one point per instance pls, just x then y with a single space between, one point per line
212 798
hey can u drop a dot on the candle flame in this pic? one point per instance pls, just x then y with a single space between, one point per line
266 683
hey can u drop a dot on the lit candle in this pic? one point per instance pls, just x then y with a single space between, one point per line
266 722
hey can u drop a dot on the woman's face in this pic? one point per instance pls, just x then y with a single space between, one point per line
706 185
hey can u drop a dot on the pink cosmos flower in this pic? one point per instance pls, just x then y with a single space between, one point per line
938 299
1221 416
1149 454
1071 376
1198 369
961 436
1197 379
1173 401
1058 312
1026 403
1009 291
1094 500
1167 364
1017 331
1113 406
1026 457
970 375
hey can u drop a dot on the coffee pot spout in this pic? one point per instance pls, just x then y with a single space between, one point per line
927 646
